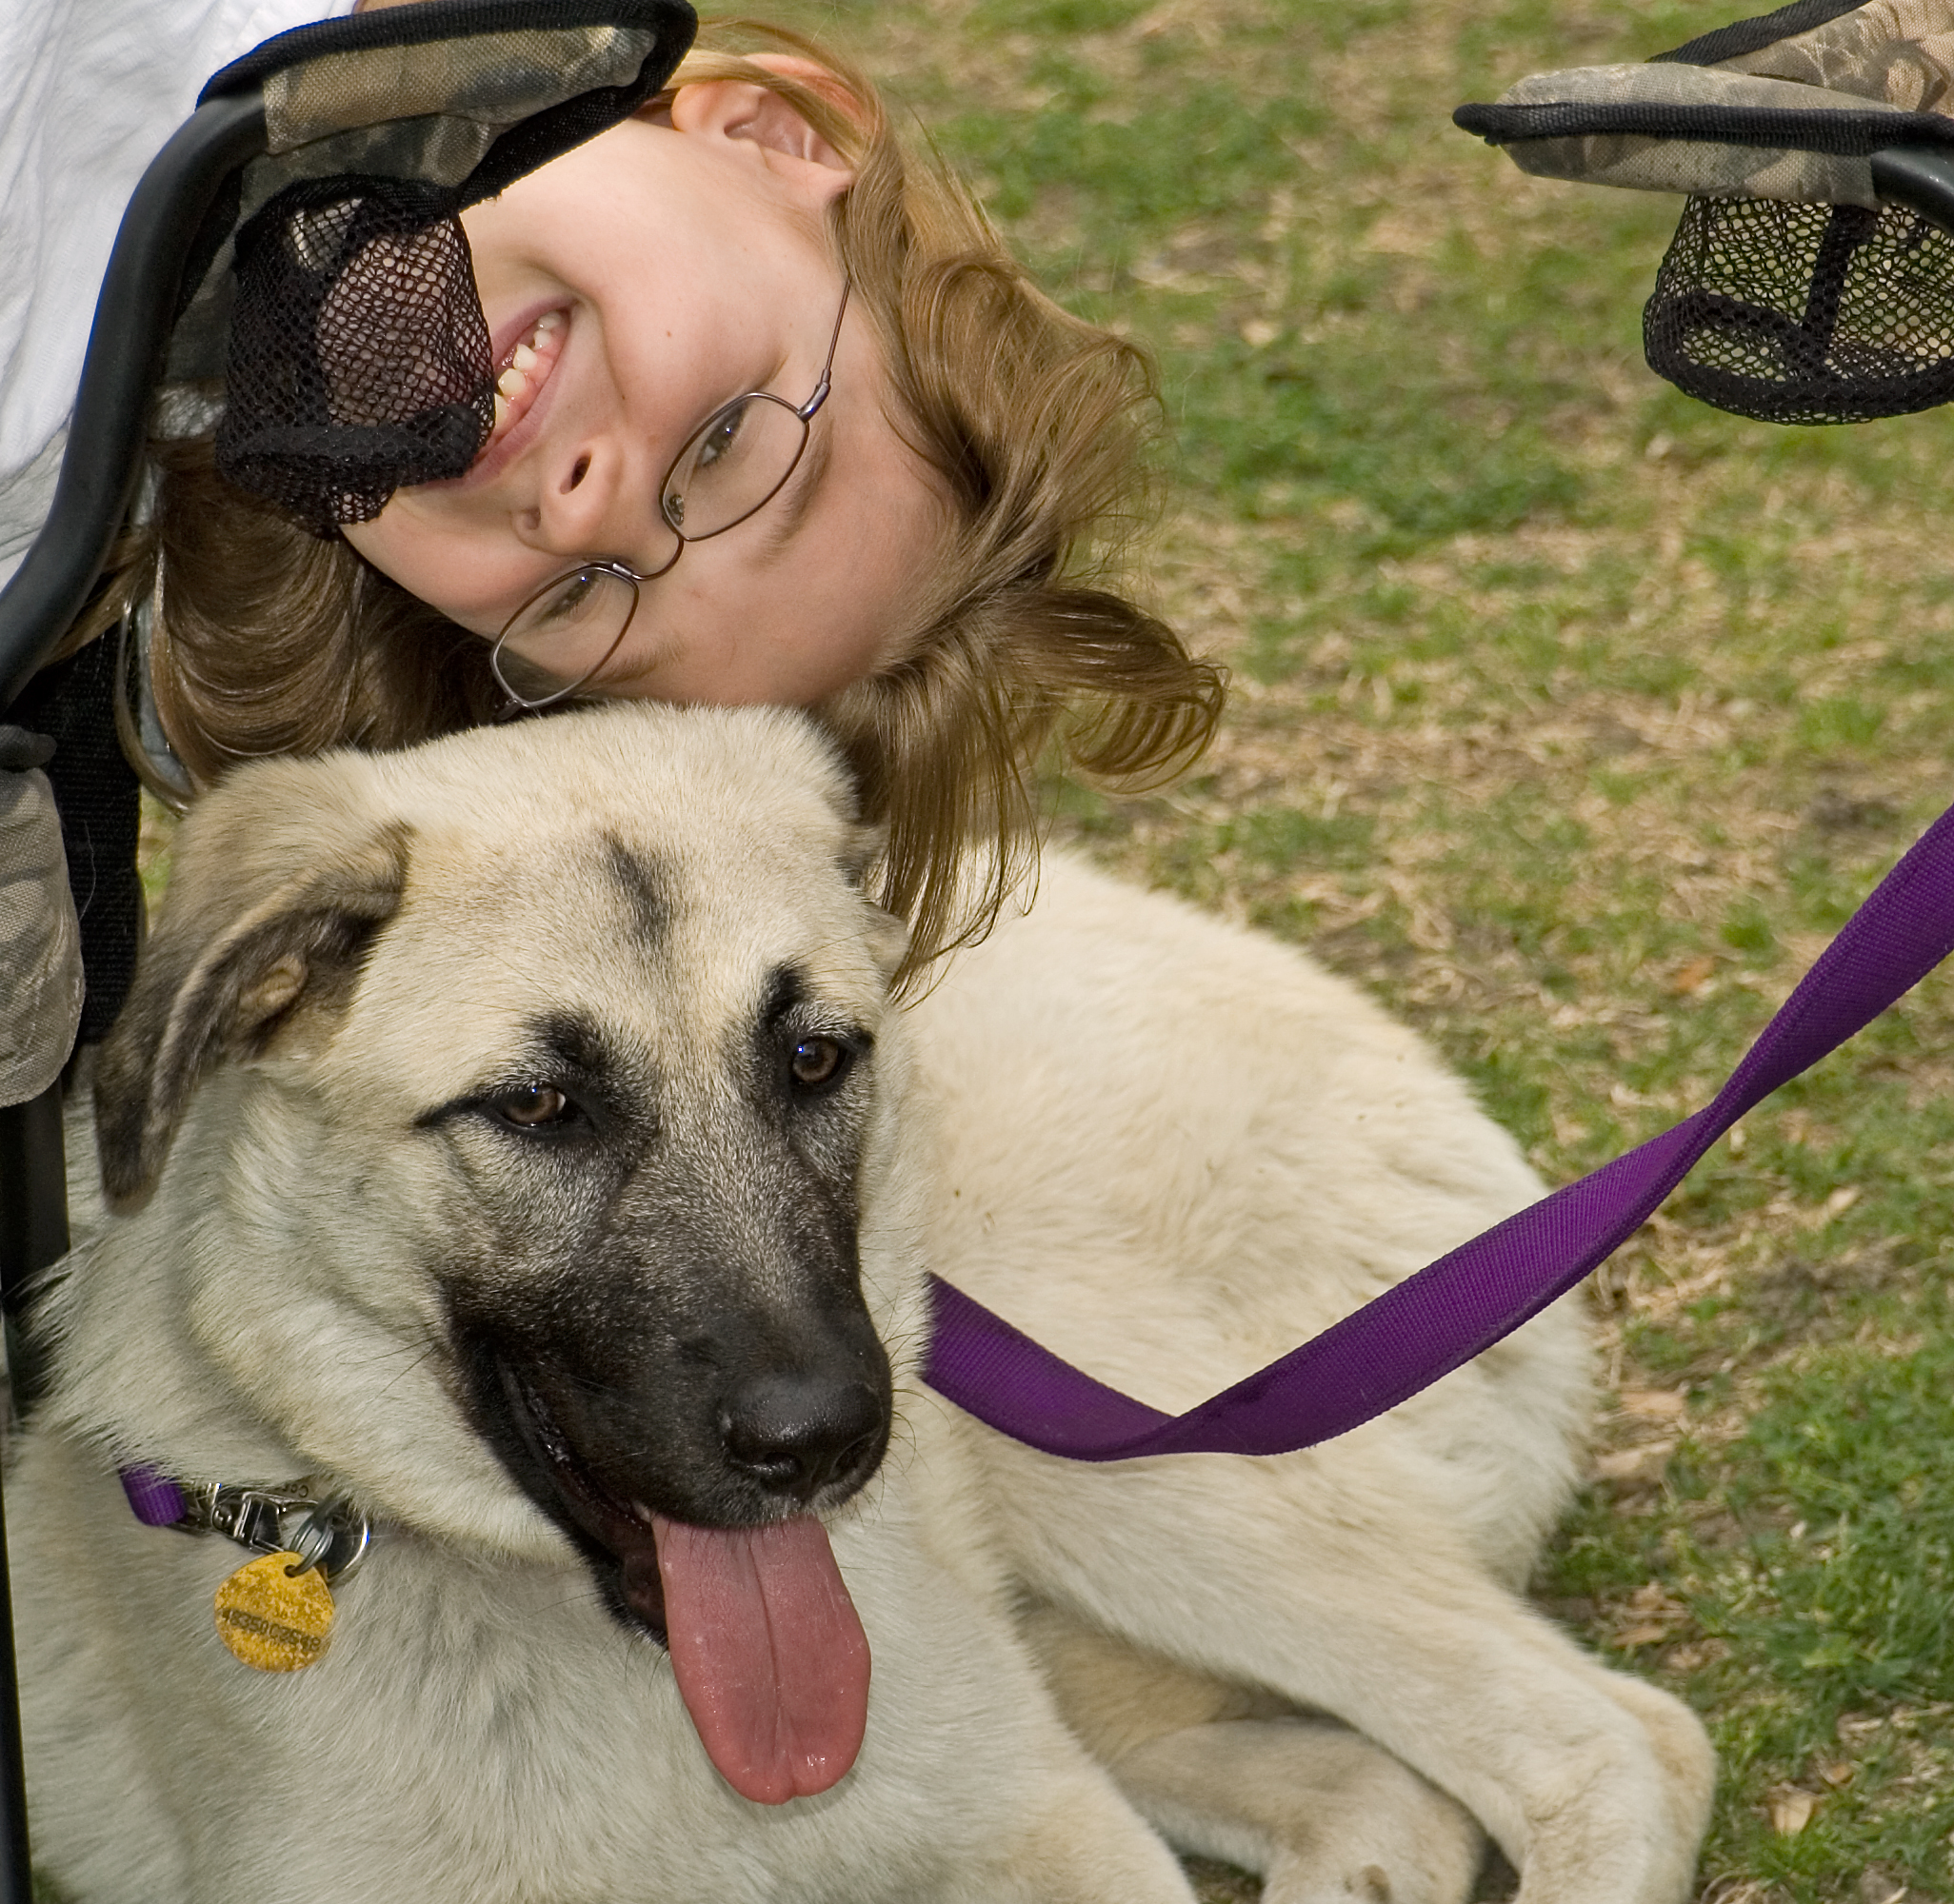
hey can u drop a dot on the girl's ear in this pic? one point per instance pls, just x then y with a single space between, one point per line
739 111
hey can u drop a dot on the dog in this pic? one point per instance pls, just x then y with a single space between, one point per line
512 1148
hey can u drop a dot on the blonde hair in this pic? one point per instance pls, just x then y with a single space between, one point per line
268 641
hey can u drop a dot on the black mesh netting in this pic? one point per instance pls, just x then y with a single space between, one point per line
359 359
1805 313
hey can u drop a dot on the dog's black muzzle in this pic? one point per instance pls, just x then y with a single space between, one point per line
614 1404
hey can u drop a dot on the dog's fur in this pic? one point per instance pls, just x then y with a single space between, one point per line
1168 1148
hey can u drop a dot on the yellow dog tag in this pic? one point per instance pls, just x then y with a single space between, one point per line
272 1619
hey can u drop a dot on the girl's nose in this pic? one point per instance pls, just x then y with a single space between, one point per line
579 503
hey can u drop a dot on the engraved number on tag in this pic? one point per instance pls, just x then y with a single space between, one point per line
272 1619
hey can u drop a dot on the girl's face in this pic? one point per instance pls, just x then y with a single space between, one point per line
648 276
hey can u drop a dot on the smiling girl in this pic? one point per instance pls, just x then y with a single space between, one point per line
780 419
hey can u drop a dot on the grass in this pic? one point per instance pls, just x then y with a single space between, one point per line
1572 718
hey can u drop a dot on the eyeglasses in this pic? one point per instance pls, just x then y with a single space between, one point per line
732 465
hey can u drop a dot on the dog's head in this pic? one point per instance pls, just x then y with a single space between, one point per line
528 1095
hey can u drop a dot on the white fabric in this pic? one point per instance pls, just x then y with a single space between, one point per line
90 89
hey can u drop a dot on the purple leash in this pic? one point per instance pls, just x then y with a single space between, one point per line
1431 1323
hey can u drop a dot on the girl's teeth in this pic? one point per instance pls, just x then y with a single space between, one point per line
520 373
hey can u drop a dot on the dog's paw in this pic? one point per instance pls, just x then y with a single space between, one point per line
1368 1884
1326 1816
1435 1859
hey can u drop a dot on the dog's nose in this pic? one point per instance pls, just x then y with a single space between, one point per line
798 1433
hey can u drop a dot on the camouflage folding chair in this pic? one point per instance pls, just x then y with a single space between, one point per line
1812 277
316 188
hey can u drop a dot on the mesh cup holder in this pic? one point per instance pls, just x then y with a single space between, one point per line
359 357
1805 313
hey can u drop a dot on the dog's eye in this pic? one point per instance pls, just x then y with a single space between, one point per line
818 1061
533 1107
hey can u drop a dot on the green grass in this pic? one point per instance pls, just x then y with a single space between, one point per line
1572 718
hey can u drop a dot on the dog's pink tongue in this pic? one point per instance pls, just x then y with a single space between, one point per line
769 1652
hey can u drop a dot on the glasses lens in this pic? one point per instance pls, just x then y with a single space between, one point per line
559 638
733 466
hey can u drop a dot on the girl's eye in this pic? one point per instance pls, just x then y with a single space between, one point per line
819 1060
567 605
533 1107
721 438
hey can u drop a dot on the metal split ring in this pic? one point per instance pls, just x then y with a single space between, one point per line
329 1535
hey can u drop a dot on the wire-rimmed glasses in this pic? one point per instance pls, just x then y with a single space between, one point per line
732 465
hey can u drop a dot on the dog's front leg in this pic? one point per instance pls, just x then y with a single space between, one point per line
1272 1573
1325 1815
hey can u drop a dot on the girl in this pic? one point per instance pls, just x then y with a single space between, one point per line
956 457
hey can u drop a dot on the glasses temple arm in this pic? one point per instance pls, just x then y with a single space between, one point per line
820 396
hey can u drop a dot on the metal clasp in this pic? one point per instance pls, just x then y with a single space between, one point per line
330 1533
249 1516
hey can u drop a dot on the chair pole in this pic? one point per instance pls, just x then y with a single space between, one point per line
17 1863
34 1234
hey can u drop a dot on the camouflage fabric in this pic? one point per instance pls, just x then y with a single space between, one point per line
1648 163
490 86
1900 51
40 946
1795 119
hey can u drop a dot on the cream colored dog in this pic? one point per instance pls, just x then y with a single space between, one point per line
511 1143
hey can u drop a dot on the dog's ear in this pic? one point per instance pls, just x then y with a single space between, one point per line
263 916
